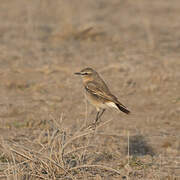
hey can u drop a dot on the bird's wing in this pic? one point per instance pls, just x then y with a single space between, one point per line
97 90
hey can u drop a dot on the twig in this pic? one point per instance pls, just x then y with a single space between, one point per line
38 176
22 155
128 147
68 142
52 161
102 124
86 112
81 135
74 138
78 149
61 167
96 166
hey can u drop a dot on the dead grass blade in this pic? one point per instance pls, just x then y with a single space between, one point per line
22 155
96 166
89 131
38 176
70 141
78 149
52 161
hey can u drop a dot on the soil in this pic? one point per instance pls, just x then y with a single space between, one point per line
134 45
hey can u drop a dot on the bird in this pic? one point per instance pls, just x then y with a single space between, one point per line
98 93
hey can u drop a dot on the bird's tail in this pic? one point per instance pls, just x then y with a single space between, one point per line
122 108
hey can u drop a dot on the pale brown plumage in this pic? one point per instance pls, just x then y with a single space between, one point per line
98 93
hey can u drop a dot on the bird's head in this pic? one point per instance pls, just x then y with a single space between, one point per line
87 74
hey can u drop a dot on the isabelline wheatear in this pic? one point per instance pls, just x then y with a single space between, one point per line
98 94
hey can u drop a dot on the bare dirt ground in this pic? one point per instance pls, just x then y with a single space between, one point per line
134 45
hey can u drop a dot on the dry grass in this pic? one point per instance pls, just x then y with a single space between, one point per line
52 160
134 46
55 154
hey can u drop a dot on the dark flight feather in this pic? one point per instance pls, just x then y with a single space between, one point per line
122 108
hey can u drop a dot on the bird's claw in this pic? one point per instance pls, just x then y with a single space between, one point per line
93 125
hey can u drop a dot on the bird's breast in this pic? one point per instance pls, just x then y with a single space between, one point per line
97 101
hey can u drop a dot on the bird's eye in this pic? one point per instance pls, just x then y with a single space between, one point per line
85 73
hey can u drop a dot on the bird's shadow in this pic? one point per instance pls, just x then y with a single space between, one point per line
139 147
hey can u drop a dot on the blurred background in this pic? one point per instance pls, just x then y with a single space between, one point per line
134 45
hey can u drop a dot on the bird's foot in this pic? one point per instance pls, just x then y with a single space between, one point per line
93 125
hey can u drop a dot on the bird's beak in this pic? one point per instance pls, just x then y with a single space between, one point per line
78 73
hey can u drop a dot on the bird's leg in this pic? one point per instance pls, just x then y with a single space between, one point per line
98 116
101 113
